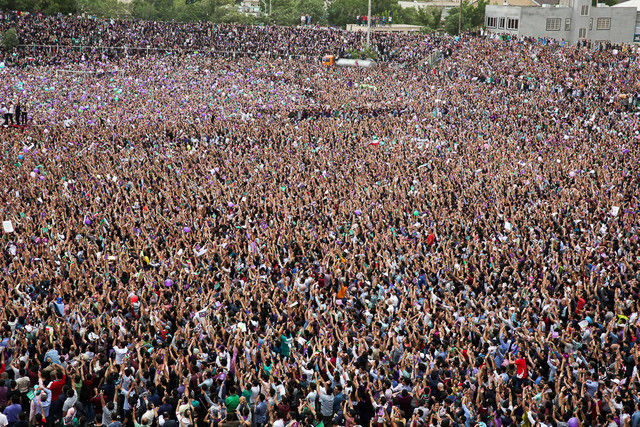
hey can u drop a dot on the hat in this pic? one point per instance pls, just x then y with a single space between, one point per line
134 299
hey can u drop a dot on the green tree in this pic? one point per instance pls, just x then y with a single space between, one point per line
472 17
164 9
403 15
184 11
104 8
230 14
205 10
10 39
43 6
142 9
288 12
283 12
315 8
385 8
343 12
429 18
52 7
66 6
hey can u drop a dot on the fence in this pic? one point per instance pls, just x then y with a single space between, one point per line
432 59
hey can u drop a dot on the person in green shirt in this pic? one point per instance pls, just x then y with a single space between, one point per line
231 403
267 367
285 343
245 386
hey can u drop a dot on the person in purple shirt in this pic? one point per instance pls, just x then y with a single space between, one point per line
12 411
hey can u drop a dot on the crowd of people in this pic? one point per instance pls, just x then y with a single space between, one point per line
13 114
192 239
77 35
375 20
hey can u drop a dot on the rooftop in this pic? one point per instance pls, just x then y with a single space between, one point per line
630 3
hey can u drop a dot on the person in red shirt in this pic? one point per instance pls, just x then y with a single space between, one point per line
57 382
431 238
521 368
98 402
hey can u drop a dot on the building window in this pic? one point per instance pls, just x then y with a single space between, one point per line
585 10
501 24
603 24
567 24
512 24
582 33
492 22
553 24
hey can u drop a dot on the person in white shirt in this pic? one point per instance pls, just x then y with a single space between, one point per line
70 401
4 113
120 353
9 114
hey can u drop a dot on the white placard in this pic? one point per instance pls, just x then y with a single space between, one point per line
7 226
583 324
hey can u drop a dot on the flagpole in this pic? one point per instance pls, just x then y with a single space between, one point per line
369 26
460 19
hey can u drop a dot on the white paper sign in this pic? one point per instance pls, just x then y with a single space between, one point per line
615 210
200 252
507 226
7 226
583 324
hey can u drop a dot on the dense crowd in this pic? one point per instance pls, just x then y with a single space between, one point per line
117 38
198 240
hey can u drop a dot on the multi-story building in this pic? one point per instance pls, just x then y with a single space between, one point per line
570 20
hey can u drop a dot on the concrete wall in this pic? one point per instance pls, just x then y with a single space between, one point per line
505 12
579 21
623 22
535 22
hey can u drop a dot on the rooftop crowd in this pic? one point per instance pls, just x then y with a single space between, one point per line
198 240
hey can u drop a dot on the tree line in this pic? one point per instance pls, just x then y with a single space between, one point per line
282 12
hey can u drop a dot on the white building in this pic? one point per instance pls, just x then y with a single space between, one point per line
571 21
